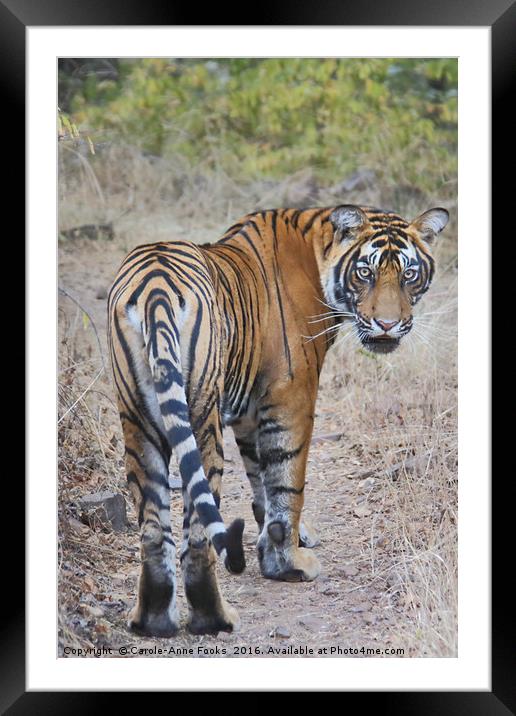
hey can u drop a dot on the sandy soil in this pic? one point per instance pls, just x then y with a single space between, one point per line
380 587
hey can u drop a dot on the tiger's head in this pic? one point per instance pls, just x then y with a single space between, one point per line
376 269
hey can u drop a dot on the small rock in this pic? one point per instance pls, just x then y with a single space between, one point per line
323 578
348 570
248 592
104 508
362 511
101 293
367 483
368 618
224 636
359 608
328 590
311 623
281 632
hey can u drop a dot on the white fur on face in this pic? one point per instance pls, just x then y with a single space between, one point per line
371 256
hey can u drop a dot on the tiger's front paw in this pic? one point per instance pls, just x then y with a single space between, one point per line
281 561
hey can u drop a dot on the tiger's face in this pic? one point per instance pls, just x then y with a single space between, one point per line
377 268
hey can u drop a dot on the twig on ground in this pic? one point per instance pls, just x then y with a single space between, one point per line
81 396
409 464
64 292
326 437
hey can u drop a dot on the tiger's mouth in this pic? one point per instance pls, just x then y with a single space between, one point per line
380 344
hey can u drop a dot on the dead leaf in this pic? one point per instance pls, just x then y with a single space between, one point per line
89 583
78 527
92 611
103 628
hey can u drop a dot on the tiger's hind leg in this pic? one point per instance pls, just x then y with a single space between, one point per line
209 611
155 612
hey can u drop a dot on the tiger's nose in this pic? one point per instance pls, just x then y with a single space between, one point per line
386 325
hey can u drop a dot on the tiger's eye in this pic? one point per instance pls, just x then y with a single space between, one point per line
364 272
409 274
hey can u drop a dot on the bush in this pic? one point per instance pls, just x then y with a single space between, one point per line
257 118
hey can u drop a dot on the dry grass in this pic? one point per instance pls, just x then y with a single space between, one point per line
392 409
387 542
149 197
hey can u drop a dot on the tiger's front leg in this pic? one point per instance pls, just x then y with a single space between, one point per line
284 433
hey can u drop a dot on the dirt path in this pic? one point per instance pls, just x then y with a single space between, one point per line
368 595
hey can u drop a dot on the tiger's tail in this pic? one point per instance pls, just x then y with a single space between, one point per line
165 363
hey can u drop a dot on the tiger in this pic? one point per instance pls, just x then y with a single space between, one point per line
223 334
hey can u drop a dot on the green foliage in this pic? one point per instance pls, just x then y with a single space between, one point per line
67 131
272 117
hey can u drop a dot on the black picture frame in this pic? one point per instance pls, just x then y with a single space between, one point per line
15 17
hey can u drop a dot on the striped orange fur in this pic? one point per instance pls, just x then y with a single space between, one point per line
235 333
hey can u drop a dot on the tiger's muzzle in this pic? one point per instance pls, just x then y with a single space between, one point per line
382 335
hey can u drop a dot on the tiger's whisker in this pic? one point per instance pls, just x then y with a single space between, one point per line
321 333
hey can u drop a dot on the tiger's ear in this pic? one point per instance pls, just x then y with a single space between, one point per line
347 220
431 223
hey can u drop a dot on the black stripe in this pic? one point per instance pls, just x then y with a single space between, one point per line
277 489
177 434
286 346
175 407
189 464
276 456
311 220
